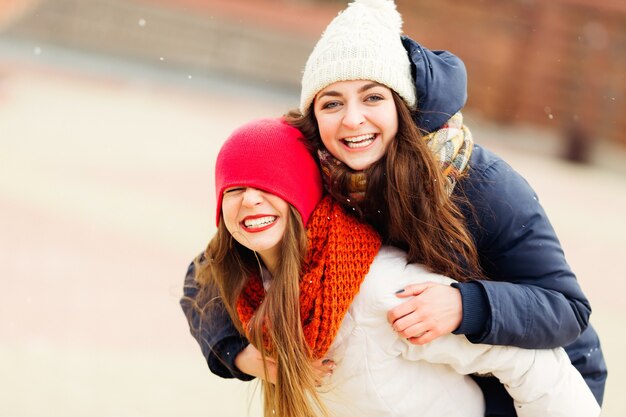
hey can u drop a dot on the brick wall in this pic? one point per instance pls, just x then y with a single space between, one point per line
560 63
557 63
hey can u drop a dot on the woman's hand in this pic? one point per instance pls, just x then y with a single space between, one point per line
433 310
322 369
250 361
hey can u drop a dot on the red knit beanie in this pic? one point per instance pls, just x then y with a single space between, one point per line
270 155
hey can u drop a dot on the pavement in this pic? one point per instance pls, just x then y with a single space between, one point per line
105 197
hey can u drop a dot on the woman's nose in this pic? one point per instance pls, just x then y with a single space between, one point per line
353 117
252 197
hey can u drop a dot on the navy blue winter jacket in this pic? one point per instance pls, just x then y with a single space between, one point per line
531 298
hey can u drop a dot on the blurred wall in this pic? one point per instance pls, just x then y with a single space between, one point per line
558 63
229 38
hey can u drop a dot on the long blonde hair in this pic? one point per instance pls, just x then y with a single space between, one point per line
222 274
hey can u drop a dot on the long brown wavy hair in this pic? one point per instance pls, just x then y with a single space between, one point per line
222 273
406 199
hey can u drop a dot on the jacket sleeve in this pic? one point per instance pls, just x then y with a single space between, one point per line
218 338
531 298
542 382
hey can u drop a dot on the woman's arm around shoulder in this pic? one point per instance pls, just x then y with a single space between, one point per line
531 290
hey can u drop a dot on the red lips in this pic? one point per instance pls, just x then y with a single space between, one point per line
256 227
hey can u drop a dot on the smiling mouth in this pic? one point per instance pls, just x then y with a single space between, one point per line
361 141
258 223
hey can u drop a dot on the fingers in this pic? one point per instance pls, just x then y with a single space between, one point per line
422 338
323 368
329 363
412 325
420 333
403 309
412 290
431 311
410 305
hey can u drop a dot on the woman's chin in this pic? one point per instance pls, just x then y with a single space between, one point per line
360 165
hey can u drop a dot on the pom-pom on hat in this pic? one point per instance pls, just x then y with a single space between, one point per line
270 155
361 43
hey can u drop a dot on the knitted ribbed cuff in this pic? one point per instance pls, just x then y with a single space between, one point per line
476 313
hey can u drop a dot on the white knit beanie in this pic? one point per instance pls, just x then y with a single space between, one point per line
361 43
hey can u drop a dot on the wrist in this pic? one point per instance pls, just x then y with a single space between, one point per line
475 309
223 357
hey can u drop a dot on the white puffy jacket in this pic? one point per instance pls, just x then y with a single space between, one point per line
380 374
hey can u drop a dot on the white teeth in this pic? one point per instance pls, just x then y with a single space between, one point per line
360 138
260 222
359 141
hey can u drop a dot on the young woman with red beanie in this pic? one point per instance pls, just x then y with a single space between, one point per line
383 113
300 295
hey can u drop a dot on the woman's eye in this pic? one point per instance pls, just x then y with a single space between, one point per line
330 105
374 98
234 190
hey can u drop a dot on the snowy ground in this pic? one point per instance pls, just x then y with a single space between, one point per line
105 196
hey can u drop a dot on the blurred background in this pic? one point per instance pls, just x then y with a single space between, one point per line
111 114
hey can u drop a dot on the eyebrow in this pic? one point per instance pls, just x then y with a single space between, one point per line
333 93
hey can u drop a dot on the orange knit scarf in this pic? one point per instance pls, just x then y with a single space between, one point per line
340 252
